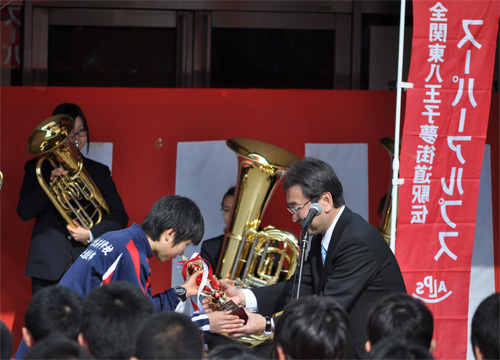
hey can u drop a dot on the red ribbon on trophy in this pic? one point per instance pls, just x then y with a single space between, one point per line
209 287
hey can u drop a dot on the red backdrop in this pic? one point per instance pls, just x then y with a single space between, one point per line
133 119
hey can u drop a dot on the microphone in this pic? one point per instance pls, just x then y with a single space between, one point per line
314 210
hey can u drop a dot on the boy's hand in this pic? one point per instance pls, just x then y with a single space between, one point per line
190 284
224 322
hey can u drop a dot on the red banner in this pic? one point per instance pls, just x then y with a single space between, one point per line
443 141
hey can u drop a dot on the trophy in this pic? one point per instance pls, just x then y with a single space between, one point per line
209 286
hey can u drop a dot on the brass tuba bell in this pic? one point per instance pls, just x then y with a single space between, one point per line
74 195
257 258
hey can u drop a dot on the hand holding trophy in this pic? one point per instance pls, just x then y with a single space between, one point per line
209 287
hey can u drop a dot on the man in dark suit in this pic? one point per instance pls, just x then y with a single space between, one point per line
359 268
54 244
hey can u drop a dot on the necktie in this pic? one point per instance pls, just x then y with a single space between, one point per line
323 253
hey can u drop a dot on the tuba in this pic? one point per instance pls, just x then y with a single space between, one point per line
74 195
251 257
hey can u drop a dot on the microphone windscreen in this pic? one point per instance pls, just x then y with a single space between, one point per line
316 207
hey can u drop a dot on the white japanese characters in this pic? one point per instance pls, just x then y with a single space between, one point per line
98 244
426 194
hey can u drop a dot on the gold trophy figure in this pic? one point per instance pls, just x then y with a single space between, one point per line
211 289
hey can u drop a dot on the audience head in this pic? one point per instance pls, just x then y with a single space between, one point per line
312 328
54 309
178 213
232 352
401 316
315 177
485 337
398 349
57 346
169 335
6 342
111 316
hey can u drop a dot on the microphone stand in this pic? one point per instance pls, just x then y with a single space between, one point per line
303 246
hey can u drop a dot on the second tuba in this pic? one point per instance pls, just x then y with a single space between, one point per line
74 195
386 209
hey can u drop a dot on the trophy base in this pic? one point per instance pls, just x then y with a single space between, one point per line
235 310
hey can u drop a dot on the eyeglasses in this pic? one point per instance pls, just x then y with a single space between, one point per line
80 133
297 210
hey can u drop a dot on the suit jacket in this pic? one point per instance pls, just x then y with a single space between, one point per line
211 249
359 269
50 247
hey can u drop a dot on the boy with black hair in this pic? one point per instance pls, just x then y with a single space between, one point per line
312 327
6 342
398 349
54 309
57 346
485 329
169 335
111 318
173 223
401 316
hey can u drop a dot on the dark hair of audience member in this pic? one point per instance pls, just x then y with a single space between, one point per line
402 316
111 316
398 349
232 352
54 309
485 337
175 212
169 335
6 342
57 346
312 328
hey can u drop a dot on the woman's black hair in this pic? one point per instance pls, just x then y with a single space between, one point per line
74 111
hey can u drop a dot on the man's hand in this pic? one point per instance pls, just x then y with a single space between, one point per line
224 322
190 284
232 292
256 323
79 233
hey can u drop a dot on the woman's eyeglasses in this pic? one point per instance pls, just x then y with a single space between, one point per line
80 133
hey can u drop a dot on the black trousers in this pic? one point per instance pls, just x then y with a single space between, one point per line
39 284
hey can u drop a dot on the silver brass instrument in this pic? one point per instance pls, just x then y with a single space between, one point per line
74 195
251 257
